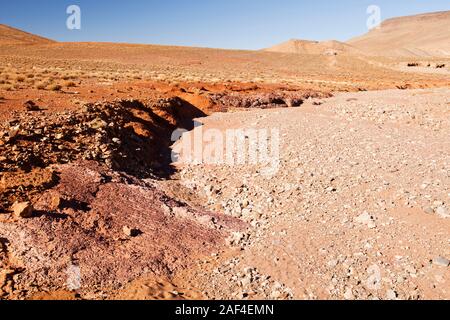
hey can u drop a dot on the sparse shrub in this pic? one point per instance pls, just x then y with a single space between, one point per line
20 78
70 84
41 86
55 87
30 76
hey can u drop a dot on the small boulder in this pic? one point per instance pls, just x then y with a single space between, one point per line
55 202
31 106
131 232
22 210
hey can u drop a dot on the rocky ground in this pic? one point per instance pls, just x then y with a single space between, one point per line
359 208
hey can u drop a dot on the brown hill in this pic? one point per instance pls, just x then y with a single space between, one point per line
331 47
421 35
9 35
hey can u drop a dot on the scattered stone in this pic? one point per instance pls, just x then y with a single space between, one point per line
442 212
14 131
428 210
348 295
55 202
275 294
31 106
441 262
366 219
391 295
22 209
131 232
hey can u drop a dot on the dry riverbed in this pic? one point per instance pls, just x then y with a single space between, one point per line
359 208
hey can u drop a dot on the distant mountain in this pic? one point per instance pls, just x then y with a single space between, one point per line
314 47
9 35
420 35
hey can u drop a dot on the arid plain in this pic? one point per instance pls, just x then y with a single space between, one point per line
93 207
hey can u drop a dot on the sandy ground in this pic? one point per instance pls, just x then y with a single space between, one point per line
359 208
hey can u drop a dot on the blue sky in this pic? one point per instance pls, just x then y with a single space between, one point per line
233 24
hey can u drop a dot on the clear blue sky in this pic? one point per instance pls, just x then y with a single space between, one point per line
238 24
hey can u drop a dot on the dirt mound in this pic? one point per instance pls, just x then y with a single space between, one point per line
314 47
421 35
127 136
9 35
82 244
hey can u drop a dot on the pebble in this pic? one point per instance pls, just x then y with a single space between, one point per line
442 212
275 294
441 262
367 219
391 295
348 295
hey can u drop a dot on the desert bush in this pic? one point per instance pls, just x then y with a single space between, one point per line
54 87
41 86
70 84
20 78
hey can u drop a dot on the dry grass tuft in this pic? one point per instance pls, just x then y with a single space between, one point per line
54 87
70 84
41 86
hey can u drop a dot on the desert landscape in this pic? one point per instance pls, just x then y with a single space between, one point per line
94 207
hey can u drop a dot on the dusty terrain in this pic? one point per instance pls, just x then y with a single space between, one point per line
92 206
361 196
316 47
